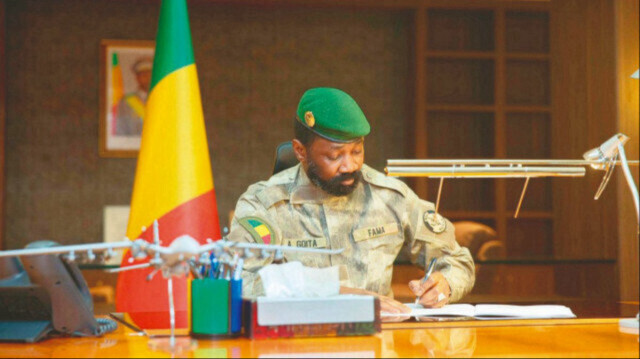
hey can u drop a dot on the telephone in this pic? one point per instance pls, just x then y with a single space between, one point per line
56 299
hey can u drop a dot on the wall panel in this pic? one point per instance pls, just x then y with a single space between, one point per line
627 35
3 109
584 107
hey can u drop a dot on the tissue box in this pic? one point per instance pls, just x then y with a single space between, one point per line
341 315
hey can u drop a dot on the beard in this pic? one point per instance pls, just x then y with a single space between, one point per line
334 186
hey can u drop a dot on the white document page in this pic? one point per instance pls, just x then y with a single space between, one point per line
488 311
500 311
457 310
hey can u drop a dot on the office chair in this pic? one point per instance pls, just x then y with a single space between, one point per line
284 158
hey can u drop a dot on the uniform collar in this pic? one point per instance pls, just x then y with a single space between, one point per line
304 191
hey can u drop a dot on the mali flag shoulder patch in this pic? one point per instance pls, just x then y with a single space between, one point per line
259 229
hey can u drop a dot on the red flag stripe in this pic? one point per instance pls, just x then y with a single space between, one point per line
197 218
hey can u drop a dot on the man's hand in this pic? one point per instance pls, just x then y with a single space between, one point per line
434 292
387 305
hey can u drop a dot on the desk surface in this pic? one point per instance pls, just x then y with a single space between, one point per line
522 338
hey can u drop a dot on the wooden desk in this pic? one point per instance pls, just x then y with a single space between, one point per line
523 338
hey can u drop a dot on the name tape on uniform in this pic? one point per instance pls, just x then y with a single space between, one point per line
307 243
373 232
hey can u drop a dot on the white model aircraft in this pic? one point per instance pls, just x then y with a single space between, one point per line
183 254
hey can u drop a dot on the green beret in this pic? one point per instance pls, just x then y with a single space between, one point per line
332 114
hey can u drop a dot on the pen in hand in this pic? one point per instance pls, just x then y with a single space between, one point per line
432 265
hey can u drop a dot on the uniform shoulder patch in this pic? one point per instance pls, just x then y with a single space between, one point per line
259 229
434 221
378 179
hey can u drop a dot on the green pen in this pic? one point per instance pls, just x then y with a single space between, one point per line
432 265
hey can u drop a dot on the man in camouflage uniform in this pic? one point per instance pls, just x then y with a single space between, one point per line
331 199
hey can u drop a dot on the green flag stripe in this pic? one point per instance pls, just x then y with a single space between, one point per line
114 59
173 41
254 223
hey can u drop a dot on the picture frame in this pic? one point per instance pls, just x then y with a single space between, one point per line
115 219
125 75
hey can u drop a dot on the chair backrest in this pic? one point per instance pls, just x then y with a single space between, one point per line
285 157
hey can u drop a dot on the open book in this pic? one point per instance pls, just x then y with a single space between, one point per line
489 311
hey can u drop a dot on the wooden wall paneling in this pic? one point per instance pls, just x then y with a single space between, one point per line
583 97
467 136
627 62
523 280
528 137
500 122
529 238
392 4
471 78
531 79
3 112
460 81
411 99
527 32
449 31
420 124
588 280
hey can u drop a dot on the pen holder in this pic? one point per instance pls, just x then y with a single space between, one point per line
216 307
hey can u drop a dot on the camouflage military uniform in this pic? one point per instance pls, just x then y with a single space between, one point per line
378 220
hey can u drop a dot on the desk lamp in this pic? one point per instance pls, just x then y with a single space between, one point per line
606 156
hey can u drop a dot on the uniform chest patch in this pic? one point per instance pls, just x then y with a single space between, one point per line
373 232
307 243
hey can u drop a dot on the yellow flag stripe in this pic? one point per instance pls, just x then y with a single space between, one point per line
173 164
262 230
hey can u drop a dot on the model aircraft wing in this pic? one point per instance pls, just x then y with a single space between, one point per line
77 248
153 248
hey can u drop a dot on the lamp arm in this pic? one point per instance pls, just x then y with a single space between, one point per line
609 166
630 181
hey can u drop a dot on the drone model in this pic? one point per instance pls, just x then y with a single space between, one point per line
182 256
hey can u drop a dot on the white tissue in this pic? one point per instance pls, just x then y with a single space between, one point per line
295 280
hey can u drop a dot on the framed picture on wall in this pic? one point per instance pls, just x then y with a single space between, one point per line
125 75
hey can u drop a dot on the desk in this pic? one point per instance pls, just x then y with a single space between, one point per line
522 338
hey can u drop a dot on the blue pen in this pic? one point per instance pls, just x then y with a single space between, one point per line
236 297
213 270
203 270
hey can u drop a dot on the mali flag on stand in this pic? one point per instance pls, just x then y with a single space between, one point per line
173 182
